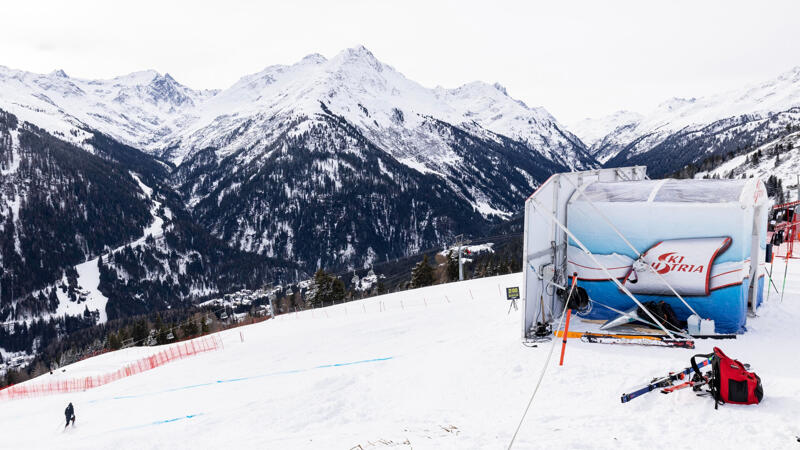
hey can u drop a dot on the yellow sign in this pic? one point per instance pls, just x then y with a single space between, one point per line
512 293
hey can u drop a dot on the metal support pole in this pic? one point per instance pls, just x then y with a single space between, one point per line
460 239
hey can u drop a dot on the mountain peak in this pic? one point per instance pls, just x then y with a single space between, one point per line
314 58
59 73
676 102
139 77
500 88
357 54
792 74
358 50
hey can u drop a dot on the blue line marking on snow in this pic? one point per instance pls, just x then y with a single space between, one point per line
158 422
232 380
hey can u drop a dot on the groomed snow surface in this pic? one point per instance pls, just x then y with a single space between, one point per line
440 367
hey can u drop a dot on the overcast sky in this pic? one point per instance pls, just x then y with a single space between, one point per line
577 59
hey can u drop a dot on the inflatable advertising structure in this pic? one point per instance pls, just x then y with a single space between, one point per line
695 244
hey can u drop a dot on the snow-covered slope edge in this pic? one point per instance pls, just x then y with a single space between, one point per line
437 359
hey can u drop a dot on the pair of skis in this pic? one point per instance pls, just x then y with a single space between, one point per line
664 382
693 384
638 339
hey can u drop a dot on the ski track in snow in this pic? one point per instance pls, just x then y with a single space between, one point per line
247 378
457 361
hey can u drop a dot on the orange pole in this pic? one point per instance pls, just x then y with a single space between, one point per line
565 334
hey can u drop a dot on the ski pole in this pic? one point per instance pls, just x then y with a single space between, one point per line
769 275
785 271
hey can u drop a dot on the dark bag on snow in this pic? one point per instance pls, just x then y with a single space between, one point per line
663 312
730 381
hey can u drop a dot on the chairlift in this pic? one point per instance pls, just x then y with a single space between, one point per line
223 316
170 336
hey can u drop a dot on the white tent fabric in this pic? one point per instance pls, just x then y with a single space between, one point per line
662 239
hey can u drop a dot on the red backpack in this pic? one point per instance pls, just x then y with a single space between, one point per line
730 380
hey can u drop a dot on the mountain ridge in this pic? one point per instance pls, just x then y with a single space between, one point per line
704 125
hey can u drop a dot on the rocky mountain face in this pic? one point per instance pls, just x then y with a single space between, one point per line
137 194
324 162
139 109
688 131
275 161
58 206
86 239
329 197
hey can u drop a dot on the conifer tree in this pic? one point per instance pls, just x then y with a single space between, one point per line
114 341
452 267
327 289
422 274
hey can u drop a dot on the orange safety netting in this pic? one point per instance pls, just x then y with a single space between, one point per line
172 353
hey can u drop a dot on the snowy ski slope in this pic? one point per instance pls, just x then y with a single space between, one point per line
440 367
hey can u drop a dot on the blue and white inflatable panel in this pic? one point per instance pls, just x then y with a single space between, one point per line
706 238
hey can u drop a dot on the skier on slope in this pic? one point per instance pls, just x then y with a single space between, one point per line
70 414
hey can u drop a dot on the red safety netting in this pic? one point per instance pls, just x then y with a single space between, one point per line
789 229
172 353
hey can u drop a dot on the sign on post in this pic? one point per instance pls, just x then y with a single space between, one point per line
512 294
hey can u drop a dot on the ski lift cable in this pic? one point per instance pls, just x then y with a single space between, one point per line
541 374
635 250
539 208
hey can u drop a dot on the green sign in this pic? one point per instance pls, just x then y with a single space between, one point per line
512 293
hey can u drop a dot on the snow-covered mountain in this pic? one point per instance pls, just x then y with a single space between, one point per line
704 125
324 163
482 150
155 113
777 162
592 129
139 109
384 105
597 133
62 207
328 130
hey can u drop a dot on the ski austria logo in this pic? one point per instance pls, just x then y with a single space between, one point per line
688 265
683 263
672 261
